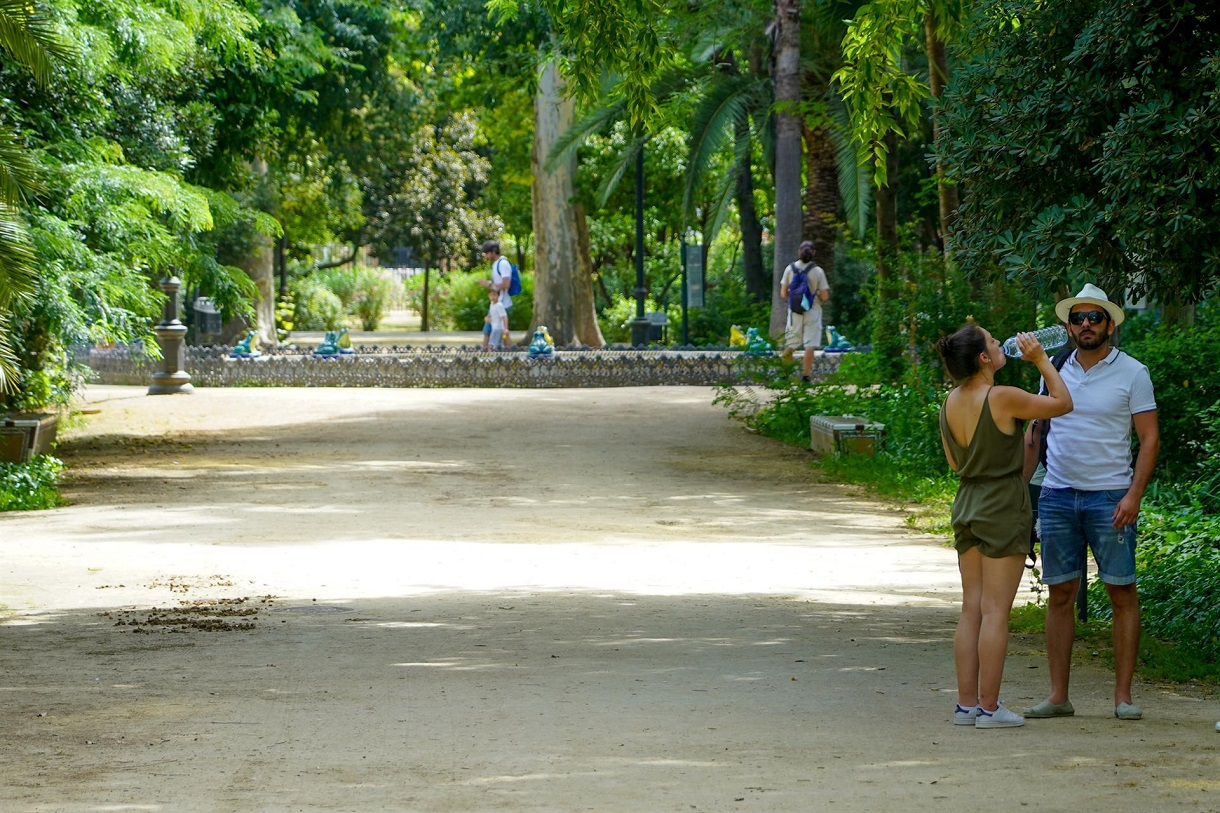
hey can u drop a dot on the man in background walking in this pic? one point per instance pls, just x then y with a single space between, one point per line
804 288
501 278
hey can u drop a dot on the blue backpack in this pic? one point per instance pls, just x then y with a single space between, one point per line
799 297
514 286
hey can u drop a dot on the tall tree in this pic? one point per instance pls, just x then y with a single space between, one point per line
787 79
735 105
1084 137
822 131
885 101
938 78
118 212
26 36
425 193
563 277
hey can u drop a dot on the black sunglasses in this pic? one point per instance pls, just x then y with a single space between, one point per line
1094 317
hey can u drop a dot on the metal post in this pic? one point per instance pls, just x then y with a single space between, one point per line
171 335
281 263
639 327
685 294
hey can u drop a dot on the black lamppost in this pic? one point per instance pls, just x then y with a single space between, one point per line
171 337
640 326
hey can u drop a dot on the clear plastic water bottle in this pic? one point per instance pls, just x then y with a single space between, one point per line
1051 338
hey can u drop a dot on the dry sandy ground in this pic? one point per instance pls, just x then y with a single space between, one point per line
477 600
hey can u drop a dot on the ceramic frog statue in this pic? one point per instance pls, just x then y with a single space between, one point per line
541 344
756 345
247 348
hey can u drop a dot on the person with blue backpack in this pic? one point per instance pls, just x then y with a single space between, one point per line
804 288
505 278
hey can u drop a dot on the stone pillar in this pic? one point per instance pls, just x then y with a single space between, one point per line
171 336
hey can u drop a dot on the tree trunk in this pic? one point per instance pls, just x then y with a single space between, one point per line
757 284
563 270
938 77
1178 313
787 78
259 265
822 197
888 311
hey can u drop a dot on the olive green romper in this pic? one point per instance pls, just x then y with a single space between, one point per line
992 508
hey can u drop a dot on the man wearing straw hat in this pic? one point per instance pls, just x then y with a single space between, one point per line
1091 495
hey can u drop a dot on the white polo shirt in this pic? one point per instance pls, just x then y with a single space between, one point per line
502 270
1089 448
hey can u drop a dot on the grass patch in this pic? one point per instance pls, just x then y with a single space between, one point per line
1159 660
927 499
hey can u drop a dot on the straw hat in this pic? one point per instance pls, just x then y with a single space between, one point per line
1090 294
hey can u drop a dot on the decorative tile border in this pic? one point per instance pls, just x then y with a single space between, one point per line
439 367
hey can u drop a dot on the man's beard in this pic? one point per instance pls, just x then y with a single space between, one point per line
1097 340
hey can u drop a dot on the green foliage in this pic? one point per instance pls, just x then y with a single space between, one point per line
1187 392
315 307
936 298
603 38
615 321
611 207
1083 137
424 193
726 302
1178 566
882 97
113 138
363 292
440 314
467 301
30 486
28 37
373 297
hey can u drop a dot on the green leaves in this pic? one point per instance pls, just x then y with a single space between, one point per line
621 38
30 486
1084 140
880 93
29 36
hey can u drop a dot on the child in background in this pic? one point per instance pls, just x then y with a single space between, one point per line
497 318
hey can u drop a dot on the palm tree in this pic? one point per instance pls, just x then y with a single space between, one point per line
734 104
787 82
26 35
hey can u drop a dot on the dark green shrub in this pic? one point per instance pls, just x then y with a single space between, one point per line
373 296
315 307
1178 565
468 301
364 292
726 303
439 314
30 486
1186 387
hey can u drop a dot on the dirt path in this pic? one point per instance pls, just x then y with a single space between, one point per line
469 600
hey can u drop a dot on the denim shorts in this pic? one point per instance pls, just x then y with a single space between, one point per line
1069 520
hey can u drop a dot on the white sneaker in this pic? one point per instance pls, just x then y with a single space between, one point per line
964 716
1002 717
